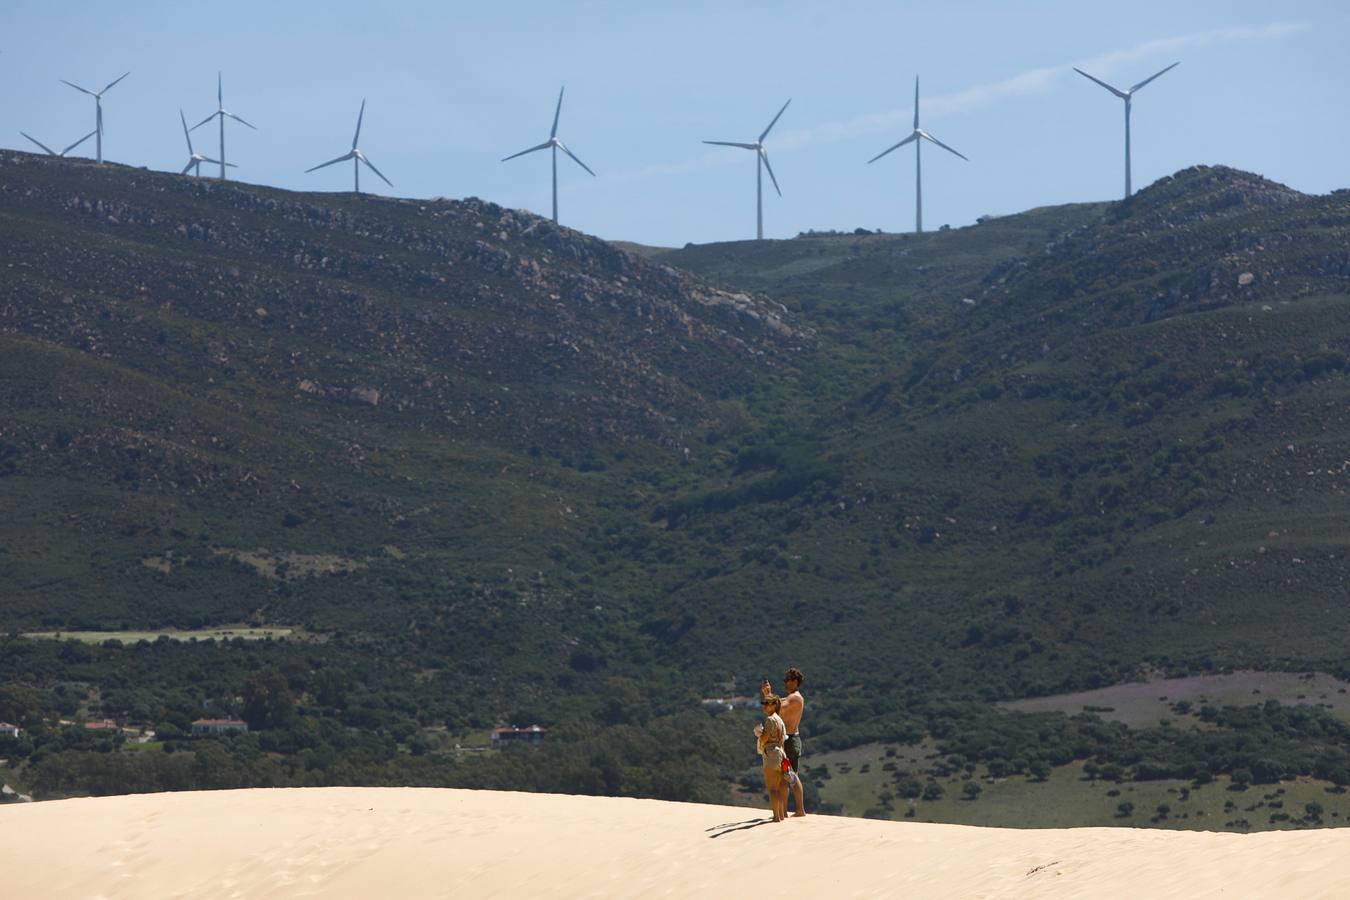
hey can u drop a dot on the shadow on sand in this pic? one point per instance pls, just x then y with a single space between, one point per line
728 827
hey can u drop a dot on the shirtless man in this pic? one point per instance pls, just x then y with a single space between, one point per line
791 713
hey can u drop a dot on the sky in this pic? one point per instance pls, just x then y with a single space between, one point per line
453 87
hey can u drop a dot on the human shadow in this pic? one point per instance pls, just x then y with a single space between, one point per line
738 826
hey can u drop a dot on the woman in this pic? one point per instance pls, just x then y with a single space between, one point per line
771 734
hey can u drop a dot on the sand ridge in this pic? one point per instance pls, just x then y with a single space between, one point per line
424 842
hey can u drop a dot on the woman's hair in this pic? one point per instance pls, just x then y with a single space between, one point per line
794 674
773 700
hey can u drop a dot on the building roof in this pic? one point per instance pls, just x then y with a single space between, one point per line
234 722
511 729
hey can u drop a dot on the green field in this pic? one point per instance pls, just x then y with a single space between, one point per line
860 783
200 634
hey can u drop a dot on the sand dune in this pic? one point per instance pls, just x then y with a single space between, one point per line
411 842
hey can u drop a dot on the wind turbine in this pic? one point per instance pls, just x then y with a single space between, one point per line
50 151
355 155
222 113
1127 96
917 137
195 159
98 109
555 145
761 163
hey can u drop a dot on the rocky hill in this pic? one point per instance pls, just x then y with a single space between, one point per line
497 471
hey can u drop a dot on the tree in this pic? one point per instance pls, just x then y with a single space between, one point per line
268 702
971 790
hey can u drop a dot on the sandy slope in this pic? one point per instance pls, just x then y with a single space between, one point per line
408 842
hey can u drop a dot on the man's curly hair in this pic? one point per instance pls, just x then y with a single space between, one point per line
794 674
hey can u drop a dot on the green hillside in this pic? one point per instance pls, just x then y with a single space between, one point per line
495 471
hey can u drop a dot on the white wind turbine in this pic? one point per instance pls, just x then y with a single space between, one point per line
917 137
222 113
555 145
1127 96
195 159
50 151
355 155
761 163
98 109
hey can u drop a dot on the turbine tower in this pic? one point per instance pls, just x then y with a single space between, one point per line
761 163
98 109
222 113
195 159
555 145
355 155
1127 96
917 137
50 151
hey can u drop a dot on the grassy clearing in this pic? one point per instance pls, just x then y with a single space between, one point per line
1144 704
860 784
199 634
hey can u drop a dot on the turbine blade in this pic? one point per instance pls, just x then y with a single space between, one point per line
765 133
916 102
372 168
343 158
1119 93
1153 76
220 91
239 120
764 156
891 149
543 146
114 81
563 148
216 162
359 116
186 135
204 121
78 143
191 163
734 144
78 88
557 112
928 136
39 143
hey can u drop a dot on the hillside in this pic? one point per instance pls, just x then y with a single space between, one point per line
494 471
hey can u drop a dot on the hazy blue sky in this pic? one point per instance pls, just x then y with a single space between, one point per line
453 87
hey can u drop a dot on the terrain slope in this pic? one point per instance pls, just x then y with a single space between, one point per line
483 470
